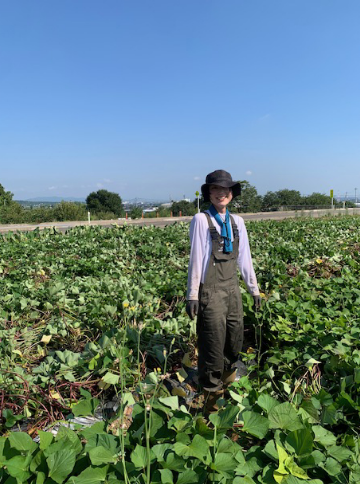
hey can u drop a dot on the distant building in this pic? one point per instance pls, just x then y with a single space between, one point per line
149 210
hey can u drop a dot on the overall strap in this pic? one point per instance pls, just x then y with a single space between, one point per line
213 232
234 227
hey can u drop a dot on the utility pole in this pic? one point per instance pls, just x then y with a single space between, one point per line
198 205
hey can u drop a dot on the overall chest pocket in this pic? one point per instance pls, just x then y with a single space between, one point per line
224 266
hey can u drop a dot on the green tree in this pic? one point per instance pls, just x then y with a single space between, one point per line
186 208
317 200
64 211
136 212
249 200
10 211
269 201
5 197
282 198
104 201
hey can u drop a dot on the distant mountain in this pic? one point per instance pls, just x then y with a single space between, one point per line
55 199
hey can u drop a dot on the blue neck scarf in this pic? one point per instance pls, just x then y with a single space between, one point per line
225 228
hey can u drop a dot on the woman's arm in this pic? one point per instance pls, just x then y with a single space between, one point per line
245 261
198 242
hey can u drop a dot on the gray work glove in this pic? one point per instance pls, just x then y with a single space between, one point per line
257 302
192 308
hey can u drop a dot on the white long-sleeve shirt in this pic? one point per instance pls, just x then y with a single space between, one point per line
201 247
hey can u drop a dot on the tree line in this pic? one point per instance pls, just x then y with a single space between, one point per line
250 201
105 205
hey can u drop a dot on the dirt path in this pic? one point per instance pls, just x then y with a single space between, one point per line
162 222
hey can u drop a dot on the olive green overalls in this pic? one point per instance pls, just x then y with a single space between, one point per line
220 326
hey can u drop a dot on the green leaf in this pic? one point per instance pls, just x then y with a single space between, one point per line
139 456
300 441
199 448
22 441
181 449
255 424
294 469
224 463
85 407
111 378
318 457
97 428
91 475
172 402
323 436
331 466
282 454
2 445
159 451
18 467
354 477
296 480
60 464
339 453
329 415
225 418
40 478
46 438
284 417
127 399
267 403
174 462
166 476
69 439
308 411
188 477
243 480
100 455
38 460
270 450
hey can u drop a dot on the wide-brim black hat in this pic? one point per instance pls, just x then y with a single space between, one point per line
223 179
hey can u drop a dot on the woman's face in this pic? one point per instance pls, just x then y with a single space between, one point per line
220 197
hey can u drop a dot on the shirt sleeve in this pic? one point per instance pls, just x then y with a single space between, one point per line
198 241
244 260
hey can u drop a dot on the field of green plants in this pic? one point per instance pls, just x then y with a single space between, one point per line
98 315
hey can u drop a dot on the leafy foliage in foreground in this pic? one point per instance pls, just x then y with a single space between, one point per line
94 308
166 444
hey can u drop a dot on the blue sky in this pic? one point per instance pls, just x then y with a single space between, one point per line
145 97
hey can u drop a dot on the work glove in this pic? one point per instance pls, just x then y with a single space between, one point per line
192 308
257 302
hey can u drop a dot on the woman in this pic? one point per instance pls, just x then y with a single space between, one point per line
219 244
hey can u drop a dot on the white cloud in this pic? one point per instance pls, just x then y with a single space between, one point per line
52 188
196 178
249 172
99 185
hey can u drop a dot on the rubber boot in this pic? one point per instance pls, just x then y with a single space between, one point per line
210 399
228 378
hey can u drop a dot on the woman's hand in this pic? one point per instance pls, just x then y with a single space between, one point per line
192 308
257 302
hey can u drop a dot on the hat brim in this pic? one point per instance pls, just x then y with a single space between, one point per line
235 188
